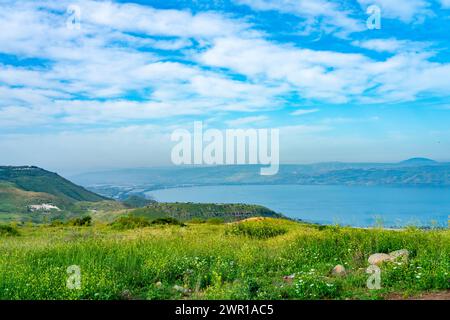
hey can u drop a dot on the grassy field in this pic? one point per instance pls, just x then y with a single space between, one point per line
246 260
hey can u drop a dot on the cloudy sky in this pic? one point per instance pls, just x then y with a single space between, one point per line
87 85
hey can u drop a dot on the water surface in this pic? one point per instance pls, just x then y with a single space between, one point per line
347 205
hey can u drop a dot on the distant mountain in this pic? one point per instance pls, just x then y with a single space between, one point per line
413 172
418 162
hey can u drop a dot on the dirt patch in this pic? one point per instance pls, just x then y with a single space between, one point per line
441 295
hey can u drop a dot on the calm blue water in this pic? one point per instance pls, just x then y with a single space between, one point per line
355 206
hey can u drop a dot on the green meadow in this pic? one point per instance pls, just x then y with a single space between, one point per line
254 259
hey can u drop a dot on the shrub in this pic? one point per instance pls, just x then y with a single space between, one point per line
215 221
7 230
168 221
256 229
80 222
130 222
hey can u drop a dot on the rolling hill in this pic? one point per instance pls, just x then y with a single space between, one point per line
32 194
34 179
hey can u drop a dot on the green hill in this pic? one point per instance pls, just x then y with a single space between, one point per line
29 178
23 187
204 211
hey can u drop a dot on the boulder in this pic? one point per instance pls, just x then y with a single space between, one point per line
400 255
379 258
338 270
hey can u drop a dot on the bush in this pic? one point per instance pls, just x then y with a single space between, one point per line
7 230
130 222
256 229
215 221
168 221
80 222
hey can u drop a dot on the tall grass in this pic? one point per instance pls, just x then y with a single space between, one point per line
212 263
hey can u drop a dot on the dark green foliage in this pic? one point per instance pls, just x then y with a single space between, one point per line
168 221
7 230
130 222
256 229
204 211
80 222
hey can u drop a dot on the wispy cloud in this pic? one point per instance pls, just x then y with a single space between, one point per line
301 112
246 120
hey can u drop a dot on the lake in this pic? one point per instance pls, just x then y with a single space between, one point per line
360 206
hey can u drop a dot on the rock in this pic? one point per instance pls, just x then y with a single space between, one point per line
338 270
402 255
379 258
289 278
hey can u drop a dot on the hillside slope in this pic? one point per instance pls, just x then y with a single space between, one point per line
34 179
188 211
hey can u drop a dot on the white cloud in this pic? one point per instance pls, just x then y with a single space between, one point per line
331 76
445 3
246 120
318 15
99 74
391 45
301 112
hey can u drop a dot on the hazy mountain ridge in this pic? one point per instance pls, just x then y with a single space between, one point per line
412 172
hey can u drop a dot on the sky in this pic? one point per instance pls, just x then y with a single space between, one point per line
89 85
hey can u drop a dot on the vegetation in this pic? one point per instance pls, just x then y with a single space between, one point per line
8 230
168 221
209 261
258 229
135 201
80 222
24 187
39 180
130 222
205 211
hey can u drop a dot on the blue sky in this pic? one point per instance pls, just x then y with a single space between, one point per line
108 94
